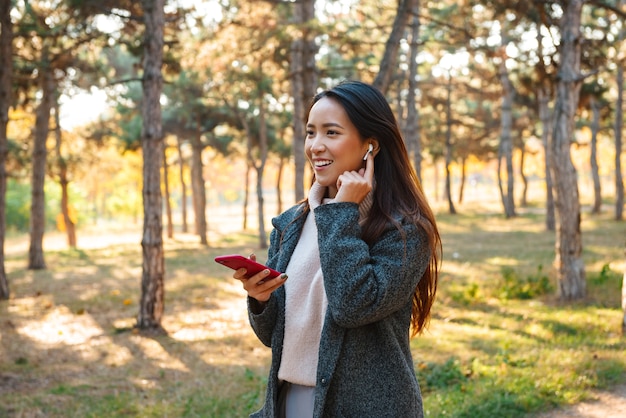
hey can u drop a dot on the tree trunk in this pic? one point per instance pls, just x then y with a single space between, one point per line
412 119
522 174
624 299
153 270
595 127
6 76
400 91
303 84
246 196
506 141
198 189
38 201
261 208
463 178
619 124
297 91
260 169
568 246
70 226
500 186
544 115
279 182
451 207
390 56
436 178
183 184
166 188
543 100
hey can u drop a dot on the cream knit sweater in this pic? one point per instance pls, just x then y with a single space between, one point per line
305 299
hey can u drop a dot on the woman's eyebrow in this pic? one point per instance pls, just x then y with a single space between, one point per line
326 125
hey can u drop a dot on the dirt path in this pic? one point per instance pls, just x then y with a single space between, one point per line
607 404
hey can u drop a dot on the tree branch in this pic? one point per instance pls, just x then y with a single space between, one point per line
123 81
602 4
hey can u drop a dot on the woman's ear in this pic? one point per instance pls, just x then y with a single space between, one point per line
375 146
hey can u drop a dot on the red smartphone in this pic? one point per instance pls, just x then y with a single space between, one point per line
236 261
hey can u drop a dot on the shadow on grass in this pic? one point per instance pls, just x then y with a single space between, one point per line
68 348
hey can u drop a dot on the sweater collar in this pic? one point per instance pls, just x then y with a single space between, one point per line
316 198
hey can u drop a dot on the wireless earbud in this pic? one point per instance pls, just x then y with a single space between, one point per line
370 148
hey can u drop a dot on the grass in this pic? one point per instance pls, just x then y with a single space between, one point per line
499 343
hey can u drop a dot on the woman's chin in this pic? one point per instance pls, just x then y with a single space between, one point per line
325 182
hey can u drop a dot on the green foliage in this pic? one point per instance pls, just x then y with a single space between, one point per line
21 361
466 295
17 206
440 376
605 275
514 287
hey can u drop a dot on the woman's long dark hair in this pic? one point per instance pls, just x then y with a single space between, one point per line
400 190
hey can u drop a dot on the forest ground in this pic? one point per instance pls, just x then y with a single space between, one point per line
66 337
606 404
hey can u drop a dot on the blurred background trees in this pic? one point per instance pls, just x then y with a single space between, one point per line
508 87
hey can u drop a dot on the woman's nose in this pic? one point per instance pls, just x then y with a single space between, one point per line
317 145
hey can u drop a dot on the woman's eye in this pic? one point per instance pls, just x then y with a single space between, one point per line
331 132
310 133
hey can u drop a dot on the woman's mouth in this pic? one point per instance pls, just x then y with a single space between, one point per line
321 163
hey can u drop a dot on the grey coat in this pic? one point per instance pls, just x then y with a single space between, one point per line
365 366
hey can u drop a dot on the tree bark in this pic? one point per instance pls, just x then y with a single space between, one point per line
70 227
436 178
279 182
544 115
451 207
166 189
183 185
260 166
390 56
198 188
303 84
543 100
463 179
6 75
412 119
568 246
246 196
619 125
595 127
38 201
506 141
153 270
260 169
624 298
401 114
522 174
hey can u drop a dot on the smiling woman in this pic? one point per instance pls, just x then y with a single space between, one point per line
361 258
82 108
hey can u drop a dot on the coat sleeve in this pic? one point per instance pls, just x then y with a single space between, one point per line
365 284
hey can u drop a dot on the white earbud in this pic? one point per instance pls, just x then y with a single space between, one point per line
370 148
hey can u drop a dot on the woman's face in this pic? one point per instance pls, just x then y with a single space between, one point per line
333 144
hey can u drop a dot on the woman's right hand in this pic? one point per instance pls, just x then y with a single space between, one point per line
259 287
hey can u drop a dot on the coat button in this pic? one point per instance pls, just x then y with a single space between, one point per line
324 381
